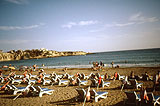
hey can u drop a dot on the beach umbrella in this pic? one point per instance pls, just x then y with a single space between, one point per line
13 68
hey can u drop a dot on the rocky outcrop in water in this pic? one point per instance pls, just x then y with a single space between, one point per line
35 53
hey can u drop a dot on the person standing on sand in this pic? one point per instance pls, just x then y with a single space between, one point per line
34 67
112 64
132 76
65 69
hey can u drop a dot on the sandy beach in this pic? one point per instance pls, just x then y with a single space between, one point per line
67 95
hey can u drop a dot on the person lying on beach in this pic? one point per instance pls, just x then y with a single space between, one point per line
40 75
115 76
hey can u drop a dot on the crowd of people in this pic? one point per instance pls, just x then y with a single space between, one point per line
97 66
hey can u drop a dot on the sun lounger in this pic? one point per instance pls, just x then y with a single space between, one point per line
120 77
1 79
84 76
42 91
79 75
132 98
135 84
51 81
19 89
29 81
94 83
9 89
46 75
79 82
69 76
103 84
64 82
32 76
19 76
155 100
98 95
16 81
81 94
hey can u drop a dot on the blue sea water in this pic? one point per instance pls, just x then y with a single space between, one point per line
128 58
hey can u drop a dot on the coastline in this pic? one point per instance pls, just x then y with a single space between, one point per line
36 54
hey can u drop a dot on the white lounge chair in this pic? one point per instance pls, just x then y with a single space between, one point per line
29 81
135 84
19 89
51 81
103 84
16 81
98 95
32 76
121 77
42 91
1 79
69 76
94 83
46 75
84 76
64 82
19 76
79 82
81 94
9 89
153 99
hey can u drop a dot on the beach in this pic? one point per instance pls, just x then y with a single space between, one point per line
66 95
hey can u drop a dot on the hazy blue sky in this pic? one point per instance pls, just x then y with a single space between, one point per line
87 25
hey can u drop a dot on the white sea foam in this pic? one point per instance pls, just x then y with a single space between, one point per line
105 65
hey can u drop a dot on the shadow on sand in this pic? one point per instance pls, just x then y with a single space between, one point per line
67 102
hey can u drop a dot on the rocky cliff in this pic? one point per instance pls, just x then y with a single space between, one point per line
35 53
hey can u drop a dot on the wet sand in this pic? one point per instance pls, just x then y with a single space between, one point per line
67 95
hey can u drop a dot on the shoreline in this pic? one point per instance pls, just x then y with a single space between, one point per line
90 66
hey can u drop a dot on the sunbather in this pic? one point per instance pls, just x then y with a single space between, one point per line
115 76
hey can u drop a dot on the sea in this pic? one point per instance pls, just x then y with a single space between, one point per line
127 58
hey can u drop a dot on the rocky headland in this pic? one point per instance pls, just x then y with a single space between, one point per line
36 53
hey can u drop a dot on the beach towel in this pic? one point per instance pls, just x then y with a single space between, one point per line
3 87
145 96
115 75
88 95
25 73
99 80
77 74
74 81
40 78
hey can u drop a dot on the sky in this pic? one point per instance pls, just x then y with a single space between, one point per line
79 25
